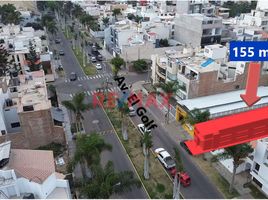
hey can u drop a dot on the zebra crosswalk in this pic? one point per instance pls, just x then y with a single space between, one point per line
92 92
97 76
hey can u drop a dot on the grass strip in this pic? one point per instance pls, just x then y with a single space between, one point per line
159 184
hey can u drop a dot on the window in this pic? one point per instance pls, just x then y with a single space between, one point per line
257 167
15 125
3 132
257 182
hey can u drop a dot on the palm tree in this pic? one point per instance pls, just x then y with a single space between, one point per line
147 143
77 106
170 88
9 15
124 110
197 116
178 168
238 154
116 12
117 62
106 181
88 150
52 27
77 10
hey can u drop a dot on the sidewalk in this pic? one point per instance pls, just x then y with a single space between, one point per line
177 133
70 142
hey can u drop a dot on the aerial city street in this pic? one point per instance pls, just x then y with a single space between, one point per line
138 99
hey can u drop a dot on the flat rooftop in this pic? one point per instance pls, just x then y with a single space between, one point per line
32 91
235 120
224 102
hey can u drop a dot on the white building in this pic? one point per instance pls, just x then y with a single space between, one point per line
260 165
25 172
258 18
17 41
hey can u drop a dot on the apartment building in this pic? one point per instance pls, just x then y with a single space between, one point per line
260 165
202 72
26 112
198 29
134 41
30 174
258 18
190 7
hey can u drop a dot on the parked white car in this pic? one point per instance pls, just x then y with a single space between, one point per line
98 66
165 158
143 129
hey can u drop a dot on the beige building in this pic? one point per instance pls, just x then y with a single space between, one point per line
202 72
27 113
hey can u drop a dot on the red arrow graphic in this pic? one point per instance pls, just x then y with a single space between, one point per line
250 98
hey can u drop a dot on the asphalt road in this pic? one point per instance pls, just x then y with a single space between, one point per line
67 89
201 187
95 120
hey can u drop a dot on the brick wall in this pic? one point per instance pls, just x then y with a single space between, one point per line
208 84
37 130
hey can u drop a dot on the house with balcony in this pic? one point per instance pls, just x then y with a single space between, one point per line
198 29
202 72
30 174
28 114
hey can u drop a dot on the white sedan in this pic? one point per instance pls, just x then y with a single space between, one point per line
165 158
98 66
143 129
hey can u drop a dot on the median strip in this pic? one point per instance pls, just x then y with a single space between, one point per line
159 184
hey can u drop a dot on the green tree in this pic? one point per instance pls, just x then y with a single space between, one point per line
236 8
163 43
117 63
77 106
179 168
170 88
33 59
124 110
140 65
147 143
197 116
9 15
106 181
105 21
238 154
46 19
77 11
116 12
54 97
5 62
88 150
52 27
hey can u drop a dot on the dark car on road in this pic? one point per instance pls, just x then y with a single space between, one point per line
99 57
61 53
57 41
73 76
